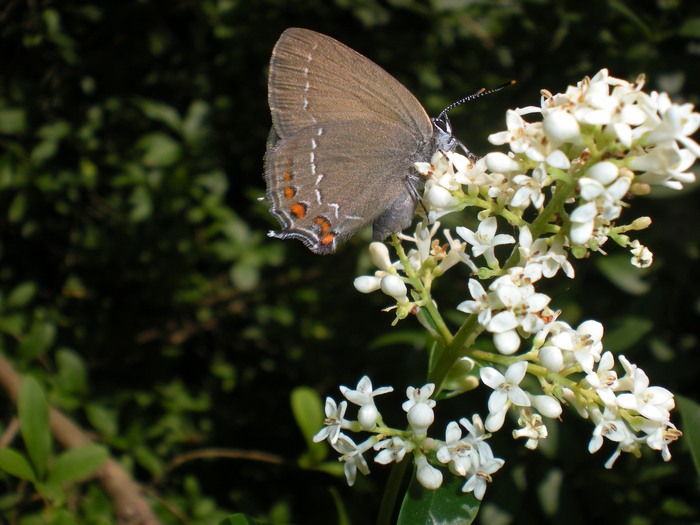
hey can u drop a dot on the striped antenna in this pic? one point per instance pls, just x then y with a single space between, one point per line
482 92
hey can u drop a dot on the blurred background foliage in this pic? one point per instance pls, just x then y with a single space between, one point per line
138 287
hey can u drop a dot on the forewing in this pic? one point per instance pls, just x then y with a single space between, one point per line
314 79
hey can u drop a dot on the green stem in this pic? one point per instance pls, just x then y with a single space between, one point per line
423 291
453 351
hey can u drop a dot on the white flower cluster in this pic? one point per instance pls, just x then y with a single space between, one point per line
469 457
592 145
570 172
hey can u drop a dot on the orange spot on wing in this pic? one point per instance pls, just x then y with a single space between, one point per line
324 224
327 239
289 193
299 210
287 176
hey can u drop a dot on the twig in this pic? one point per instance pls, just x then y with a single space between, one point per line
129 504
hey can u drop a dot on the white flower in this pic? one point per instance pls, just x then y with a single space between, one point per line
363 396
517 136
478 482
583 344
506 389
529 188
334 421
660 436
480 305
611 426
461 454
642 257
651 402
605 380
485 240
419 408
626 382
678 123
582 221
522 307
352 457
419 395
478 435
393 449
532 428
665 165
539 259
455 254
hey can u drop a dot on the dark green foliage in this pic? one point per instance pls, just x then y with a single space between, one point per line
140 293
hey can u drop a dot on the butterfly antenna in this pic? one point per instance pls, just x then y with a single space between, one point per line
482 92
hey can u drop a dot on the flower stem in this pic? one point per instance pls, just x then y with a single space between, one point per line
452 351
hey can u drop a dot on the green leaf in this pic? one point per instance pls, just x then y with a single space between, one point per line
627 332
690 412
159 150
161 112
241 519
621 273
17 208
21 295
60 516
33 410
149 460
102 419
77 463
194 128
52 492
141 204
690 28
309 414
446 505
343 517
12 324
40 337
16 464
72 375
245 277
13 121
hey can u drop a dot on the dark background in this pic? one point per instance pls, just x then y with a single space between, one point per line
163 320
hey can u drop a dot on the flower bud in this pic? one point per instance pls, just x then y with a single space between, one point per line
547 406
440 198
367 416
379 254
367 283
420 417
604 172
394 287
507 343
501 163
641 223
560 127
551 357
427 475
640 188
